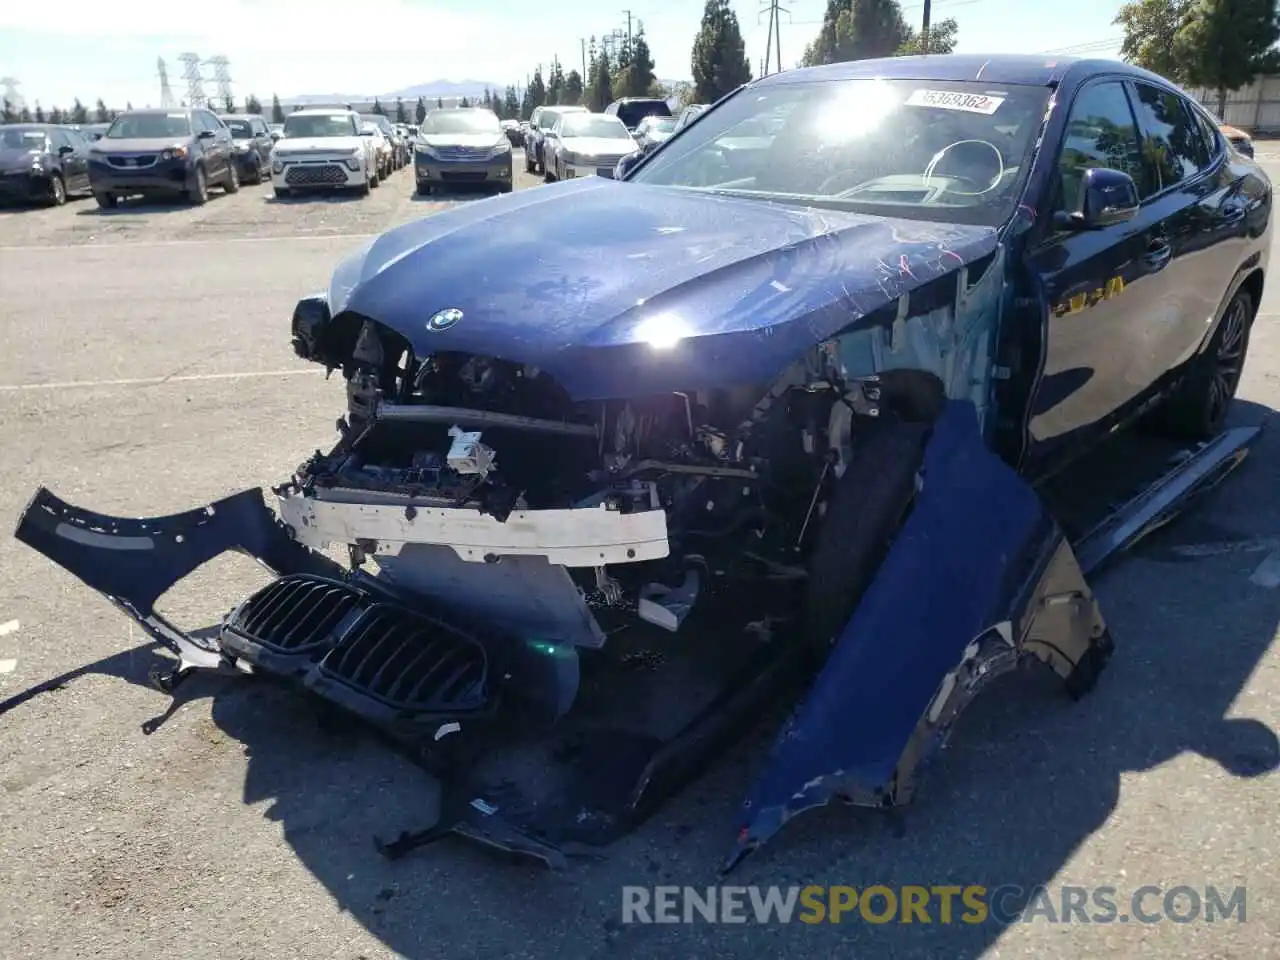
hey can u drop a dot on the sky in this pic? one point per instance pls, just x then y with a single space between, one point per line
291 47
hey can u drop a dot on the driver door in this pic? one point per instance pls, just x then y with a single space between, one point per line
1108 292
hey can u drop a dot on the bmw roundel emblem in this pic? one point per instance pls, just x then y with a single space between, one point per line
444 320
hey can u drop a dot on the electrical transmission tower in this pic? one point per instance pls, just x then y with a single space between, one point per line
11 94
221 76
774 44
195 82
167 100
612 43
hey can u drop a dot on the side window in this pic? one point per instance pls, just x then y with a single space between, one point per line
59 139
198 122
611 110
1173 145
1101 132
75 139
1208 130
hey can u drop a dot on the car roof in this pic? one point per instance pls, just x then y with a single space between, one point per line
1011 68
153 111
240 116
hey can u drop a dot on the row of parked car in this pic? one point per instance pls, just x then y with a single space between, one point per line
183 153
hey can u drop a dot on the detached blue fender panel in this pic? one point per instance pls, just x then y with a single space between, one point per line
975 578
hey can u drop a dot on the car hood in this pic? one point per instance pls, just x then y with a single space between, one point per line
619 288
310 144
475 141
138 145
600 146
12 158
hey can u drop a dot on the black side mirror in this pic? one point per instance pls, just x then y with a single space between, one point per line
206 134
627 164
65 150
1107 197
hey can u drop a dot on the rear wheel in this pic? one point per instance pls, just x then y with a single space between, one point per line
528 160
57 191
1198 408
198 192
232 183
867 506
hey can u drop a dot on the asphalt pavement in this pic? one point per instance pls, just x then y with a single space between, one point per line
147 369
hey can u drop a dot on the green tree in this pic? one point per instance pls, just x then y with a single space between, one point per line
402 115
511 103
601 93
573 88
1150 27
488 100
859 30
101 113
719 58
636 79
1225 44
555 83
77 113
378 108
942 39
55 115
277 111
128 105
252 105
10 114
24 115
228 104
535 95
439 103
421 113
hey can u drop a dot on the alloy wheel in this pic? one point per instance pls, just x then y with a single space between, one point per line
1228 360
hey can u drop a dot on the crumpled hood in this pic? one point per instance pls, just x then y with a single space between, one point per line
316 144
139 145
15 159
620 288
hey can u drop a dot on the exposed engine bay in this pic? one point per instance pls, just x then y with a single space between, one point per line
639 509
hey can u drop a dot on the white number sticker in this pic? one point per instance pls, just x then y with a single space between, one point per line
952 100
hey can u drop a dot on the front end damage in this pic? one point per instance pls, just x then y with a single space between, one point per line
566 608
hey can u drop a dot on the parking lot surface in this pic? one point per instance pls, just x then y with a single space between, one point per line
147 370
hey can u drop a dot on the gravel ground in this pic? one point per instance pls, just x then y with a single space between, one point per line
144 375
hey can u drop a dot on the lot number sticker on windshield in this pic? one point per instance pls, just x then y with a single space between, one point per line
951 100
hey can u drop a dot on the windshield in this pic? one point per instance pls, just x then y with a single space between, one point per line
460 121
16 138
149 126
319 125
927 149
594 125
379 121
632 113
662 124
240 129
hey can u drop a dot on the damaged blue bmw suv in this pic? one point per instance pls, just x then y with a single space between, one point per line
625 461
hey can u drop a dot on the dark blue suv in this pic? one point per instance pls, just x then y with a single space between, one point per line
162 153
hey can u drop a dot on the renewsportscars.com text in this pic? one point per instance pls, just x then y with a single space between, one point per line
936 904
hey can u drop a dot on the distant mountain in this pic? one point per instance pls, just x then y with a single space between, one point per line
443 89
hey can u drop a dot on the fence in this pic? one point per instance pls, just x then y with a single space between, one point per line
1255 108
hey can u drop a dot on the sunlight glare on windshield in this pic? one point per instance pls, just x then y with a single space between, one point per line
855 111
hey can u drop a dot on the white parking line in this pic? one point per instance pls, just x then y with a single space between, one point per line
155 381
8 627
132 244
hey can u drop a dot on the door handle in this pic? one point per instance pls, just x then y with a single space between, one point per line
1158 253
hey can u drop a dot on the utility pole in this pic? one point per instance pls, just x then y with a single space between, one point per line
628 13
774 44
583 43
924 27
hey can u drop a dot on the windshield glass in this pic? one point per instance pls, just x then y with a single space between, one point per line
460 121
319 125
149 125
594 125
16 138
661 124
928 149
240 129
379 121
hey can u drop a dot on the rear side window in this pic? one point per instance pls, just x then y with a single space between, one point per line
632 113
1101 132
1173 144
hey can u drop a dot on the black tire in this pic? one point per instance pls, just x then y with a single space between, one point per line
232 183
364 189
282 193
1198 407
258 173
528 161
57 191
198 192
865 511
107 201
424 189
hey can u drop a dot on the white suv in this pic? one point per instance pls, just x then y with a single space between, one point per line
323 149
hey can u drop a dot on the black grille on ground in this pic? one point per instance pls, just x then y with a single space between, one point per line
410 662
315 175
296 614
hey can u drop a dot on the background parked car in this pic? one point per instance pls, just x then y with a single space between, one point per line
251 147
586 145
462 147
276 130
93 131
543 119
382 149
388 133
1239 139
162 153
42 163
631 110
323 149
689 114
514 135
653 131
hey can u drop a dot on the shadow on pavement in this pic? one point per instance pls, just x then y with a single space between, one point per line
1030 776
